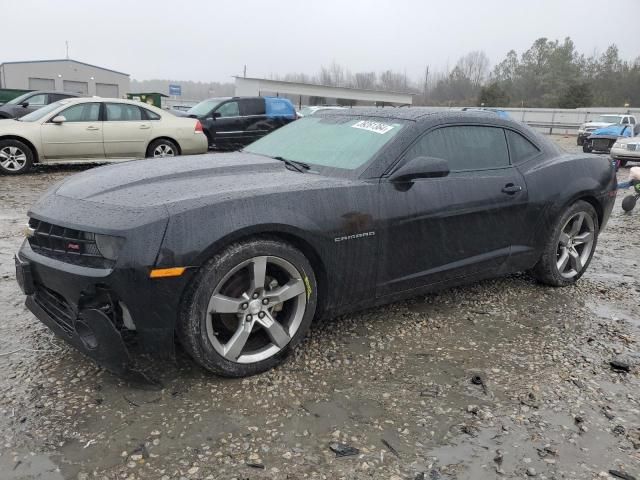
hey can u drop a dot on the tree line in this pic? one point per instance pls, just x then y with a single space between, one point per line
551 73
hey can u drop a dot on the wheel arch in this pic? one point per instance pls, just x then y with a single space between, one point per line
163 137
284 234
34 150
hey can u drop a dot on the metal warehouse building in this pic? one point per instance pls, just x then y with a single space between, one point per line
64 75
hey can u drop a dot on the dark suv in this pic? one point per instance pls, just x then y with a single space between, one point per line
230 123
31 101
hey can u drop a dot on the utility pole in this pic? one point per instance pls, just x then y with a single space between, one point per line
245 72
426 84
66 43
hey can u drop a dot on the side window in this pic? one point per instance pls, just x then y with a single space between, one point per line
229 109
625 120
633 120
84 112
520 148
151 115
123 112
252 106
464 147
37 100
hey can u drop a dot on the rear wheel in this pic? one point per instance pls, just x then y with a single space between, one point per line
629 202
161 148
569 249
248 307
15 157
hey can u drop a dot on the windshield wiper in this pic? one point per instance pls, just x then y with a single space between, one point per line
298 166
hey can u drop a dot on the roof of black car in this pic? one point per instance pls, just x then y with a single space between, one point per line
405 113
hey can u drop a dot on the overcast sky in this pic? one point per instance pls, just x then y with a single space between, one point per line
212 40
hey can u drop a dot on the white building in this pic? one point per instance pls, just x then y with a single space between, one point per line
64 75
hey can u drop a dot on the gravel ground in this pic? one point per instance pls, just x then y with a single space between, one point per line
500 379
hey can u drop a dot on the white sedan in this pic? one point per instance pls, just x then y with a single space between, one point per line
95 129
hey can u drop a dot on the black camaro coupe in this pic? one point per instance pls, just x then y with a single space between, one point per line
237 253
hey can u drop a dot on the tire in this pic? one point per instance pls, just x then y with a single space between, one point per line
580 141
161 148
220 300
586 147
15 157
550 269
629 203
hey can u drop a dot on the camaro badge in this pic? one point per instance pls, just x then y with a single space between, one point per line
354 236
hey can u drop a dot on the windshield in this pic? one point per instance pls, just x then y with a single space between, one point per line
335 141
41 112
205 106
609 119
20 99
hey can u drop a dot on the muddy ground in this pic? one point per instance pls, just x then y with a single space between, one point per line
394 382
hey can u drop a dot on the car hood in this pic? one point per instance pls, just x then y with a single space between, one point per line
615 130
597 124
180 182
624 141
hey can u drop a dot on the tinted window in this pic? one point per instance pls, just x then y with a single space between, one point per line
123 112
521 149
464 147
151 115
252 106
40 99
633 120
229 109
84 112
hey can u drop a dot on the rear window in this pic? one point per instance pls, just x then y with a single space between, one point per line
338 142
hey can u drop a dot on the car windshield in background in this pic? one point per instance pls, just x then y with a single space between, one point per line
20 99
335 141
608 119
205 107
41 112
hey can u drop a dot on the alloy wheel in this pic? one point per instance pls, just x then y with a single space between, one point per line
163 150
575 244
256 309
12 159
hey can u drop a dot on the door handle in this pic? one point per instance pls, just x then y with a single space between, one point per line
511 189
91 127
145 127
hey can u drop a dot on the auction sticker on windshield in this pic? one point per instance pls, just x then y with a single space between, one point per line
376 127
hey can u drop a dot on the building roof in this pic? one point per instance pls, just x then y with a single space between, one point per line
321 85
65 60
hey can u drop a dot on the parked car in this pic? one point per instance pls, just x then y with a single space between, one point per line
332 213
602 121
500 113
602 139
626 150
230 123
31 101
95 129
306 111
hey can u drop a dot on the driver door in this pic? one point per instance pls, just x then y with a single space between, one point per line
229 125
438 229
78 137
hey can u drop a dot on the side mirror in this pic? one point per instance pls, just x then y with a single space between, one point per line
421 167
58 119
215 115
24 104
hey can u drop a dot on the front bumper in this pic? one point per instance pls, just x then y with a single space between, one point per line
94 309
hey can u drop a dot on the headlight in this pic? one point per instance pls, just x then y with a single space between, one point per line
617 145
109 246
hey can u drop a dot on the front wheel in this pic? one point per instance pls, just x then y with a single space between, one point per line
568 251
15 157
580 141
248 307
622 163
586 147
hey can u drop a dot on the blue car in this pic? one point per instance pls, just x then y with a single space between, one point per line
500 113
602 139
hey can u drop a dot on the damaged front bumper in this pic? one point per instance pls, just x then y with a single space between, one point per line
102 313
